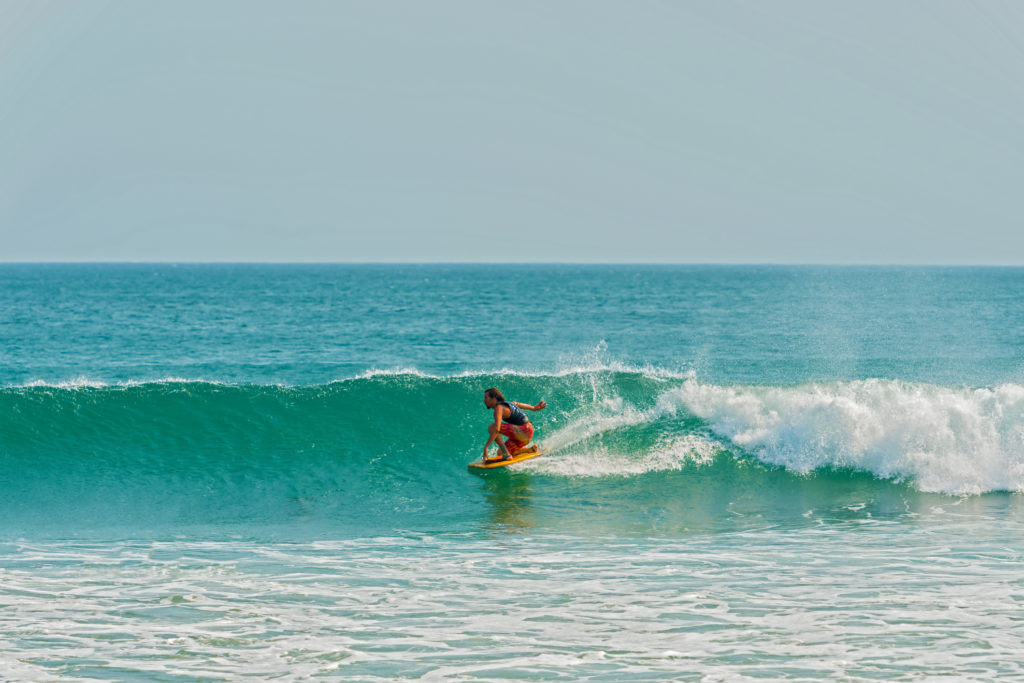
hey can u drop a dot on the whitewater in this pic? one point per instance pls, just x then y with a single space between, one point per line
235 471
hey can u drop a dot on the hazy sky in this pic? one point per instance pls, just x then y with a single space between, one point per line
683 131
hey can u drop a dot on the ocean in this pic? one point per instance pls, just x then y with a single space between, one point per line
245 471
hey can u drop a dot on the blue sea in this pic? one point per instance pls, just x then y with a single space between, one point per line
259 472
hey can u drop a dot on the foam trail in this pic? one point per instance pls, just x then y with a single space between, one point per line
674 454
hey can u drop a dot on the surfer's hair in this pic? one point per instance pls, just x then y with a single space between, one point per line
494 393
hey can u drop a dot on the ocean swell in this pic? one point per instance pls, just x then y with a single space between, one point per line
602 422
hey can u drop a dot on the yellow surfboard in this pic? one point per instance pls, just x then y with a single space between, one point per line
491 463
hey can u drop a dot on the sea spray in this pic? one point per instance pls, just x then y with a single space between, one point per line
947 439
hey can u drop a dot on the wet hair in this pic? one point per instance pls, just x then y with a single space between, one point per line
494 393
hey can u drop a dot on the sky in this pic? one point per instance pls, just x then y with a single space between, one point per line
717 131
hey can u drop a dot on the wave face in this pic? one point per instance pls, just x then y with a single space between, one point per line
391 448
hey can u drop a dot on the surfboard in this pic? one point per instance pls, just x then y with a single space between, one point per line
492 463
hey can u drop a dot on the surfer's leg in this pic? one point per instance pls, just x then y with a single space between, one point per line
518 436
524 434
502 449
511 439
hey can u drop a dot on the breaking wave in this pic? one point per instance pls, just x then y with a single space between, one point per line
399 440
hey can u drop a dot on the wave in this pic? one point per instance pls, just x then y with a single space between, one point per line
940 439
400 439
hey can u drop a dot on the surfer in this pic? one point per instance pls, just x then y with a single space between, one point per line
509 421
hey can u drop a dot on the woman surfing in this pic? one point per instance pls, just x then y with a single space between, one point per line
509 421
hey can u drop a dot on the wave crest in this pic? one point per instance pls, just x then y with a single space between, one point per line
949 440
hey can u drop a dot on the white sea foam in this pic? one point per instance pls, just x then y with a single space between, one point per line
954 440
672 454
592 362
606 413
887 603
373 373
83 382
950 440
648 371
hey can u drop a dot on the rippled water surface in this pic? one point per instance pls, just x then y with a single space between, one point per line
230 472
857 599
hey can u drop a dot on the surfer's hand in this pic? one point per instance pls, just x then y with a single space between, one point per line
541 405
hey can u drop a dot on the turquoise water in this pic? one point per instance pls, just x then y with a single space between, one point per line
230 471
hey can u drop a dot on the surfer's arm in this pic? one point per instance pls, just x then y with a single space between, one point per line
495 431
541 405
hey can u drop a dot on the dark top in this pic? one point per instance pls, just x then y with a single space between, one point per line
517 416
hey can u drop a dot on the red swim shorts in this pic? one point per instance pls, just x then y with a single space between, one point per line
517 436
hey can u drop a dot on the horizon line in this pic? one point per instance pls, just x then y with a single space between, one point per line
812 264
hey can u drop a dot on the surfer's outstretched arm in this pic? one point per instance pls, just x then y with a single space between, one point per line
541 405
